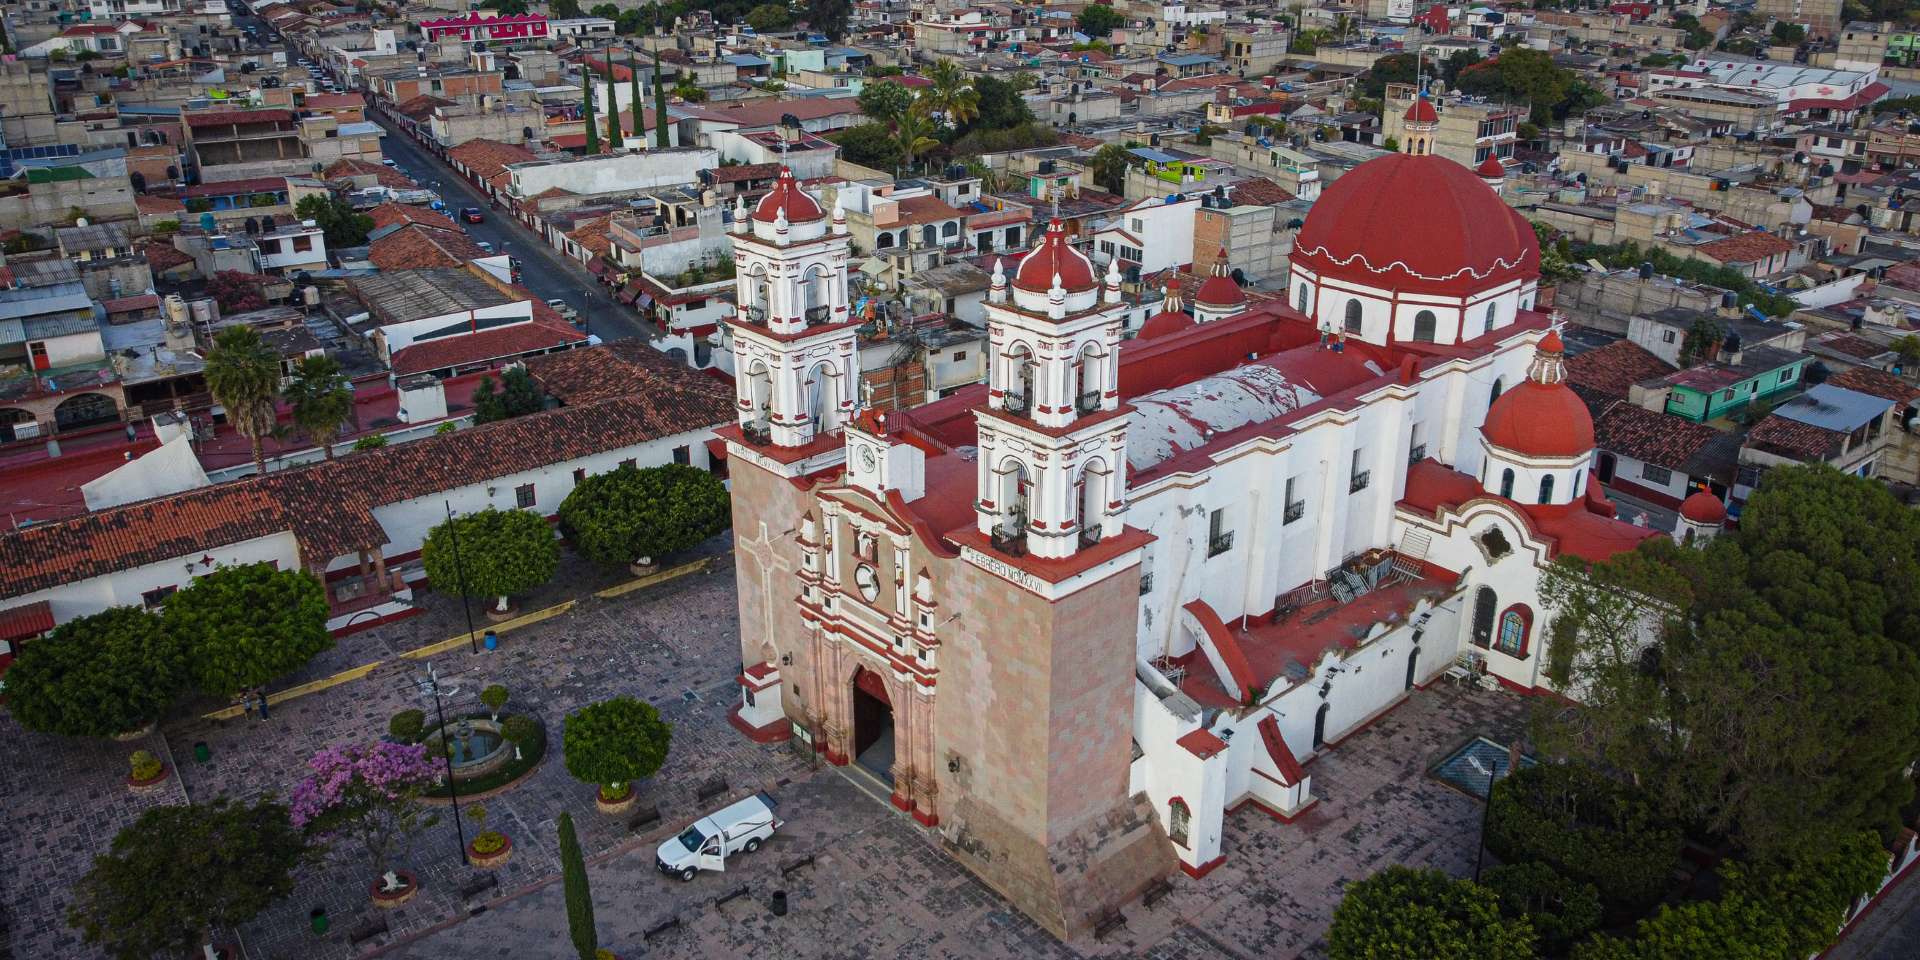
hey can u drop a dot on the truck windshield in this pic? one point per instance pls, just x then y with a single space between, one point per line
692 839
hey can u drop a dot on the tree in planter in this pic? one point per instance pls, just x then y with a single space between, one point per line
244 377
321 400
244 627
573 879
97 676
615 742
177 871
494 697
515 396
628 515
367 795
519 730
492 553
1406 914
485 841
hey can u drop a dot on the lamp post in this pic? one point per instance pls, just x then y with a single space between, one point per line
1486 812
453 536
431 687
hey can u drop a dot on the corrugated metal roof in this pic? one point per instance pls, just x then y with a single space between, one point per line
1832 408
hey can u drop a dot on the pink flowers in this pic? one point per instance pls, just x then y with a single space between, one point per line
356 775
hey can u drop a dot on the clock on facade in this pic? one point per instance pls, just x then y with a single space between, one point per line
867 458
868 582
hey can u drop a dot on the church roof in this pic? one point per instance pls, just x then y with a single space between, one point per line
787 196
1054 257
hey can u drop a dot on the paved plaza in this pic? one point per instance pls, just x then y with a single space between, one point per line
878 884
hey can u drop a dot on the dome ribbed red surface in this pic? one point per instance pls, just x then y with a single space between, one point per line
787 195
1540 420
1162 324
1490 168
1053 257
1416 222
1421 111
1703 507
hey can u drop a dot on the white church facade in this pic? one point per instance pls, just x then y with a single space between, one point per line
1075 615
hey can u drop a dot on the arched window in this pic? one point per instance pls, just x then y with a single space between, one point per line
1320 726
1423 324
1483 609
1575 490
1496 392
1487 324
1301 303
1179 821
1506 483
1546 488
882 240
1513 631
950 229
1353 316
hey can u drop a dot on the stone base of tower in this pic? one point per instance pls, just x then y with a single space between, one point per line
1069 885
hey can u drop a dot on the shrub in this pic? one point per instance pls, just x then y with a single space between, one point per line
615 742
145 766
446 428
494 697
1406 913
1560 910
489 841
1589 829
407 725
167 226
374 442
491 553
626 514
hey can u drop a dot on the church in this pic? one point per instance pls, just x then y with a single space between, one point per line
1074 616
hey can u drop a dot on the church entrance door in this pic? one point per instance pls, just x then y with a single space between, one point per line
873 740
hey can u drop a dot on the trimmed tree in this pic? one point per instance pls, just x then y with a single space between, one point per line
367 795
492 553
1406 914
97 676
629 515
573 881
494 697
615 742
660 134
177 871
614 139
586 91
247 626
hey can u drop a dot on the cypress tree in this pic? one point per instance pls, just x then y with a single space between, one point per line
659 107
573 878
639 115
613 110
586 88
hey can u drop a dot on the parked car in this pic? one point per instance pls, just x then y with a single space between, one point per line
388 161
564 309
707 844
484 245
473 215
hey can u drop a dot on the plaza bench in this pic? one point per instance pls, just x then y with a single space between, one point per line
479 885
787 869
730 896
1156 893
670 923
712 788
644 818
1108 924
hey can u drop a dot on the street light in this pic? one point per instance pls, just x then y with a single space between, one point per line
1492 769
431 687
453 535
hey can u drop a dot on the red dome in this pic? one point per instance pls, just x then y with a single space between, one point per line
1542 417
1162 324
1053 257
787 195
1421 111
1704 507
1416 222
1219 290
1490 168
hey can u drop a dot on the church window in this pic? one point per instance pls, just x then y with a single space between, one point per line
1219 538
1353 316
1546 488
1494 543
1301 300
1423 324
1295 508
1179 821
1487 324
1513 633
1506 482
1496 392
1483 603
882 240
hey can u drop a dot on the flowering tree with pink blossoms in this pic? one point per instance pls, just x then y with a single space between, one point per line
367 794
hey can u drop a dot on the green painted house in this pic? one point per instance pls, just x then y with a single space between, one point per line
1712 391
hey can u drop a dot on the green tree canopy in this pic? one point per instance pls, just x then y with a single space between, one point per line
177 871
1406 914
1099 20
1561 911
1778 700
628 513
516 395
321 400
243 375
885 102
1587 828
1109 166
249 625
1788 34
1000 103
564 9
342 225
1731 928
615 742
869 145
1392 68
950 95
1812 896
770 17
97 676
508 8
829 17
491 553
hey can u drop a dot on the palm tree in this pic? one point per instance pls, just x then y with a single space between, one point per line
244 377
1109 166
912 135
951 95
321 400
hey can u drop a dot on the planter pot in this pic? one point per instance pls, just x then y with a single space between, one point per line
142 786
643 567
394 898
488 861
132 735
617 806
497 616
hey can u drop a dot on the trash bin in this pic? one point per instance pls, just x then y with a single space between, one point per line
201 753
492 640
318 917
779 903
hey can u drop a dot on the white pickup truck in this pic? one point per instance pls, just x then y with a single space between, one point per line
708 843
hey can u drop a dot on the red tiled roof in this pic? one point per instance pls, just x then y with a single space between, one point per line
421 107
162 255
1851 344
148 204
1802 441
333 101
231 187
215 118
1259 192
383 175
390 213
1746 248
589 376
745 171
418 247
1878 383
927 209
1657 438
27 620
1614 368
767 112
487 158
497 343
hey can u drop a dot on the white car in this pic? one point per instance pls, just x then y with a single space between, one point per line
740 828
564 309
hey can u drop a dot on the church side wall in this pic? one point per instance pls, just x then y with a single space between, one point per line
766 509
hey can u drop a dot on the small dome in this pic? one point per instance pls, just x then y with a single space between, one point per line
1163 324
1490 168
1704 507
1219 290
1542 417
1054 257
1421 111
787 195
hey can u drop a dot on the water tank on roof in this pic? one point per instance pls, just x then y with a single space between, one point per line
310 295
1729 300
203 311
1646 270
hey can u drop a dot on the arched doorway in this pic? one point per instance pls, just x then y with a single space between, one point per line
1413 667
1605 469
85 410
872 724
1320 726
1484 602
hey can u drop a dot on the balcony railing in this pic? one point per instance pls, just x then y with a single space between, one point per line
1090 534
1295 511
1219 543
1088 402
757 431
1010 537
1015 403
818 315
1359 481
1417 454
756 314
